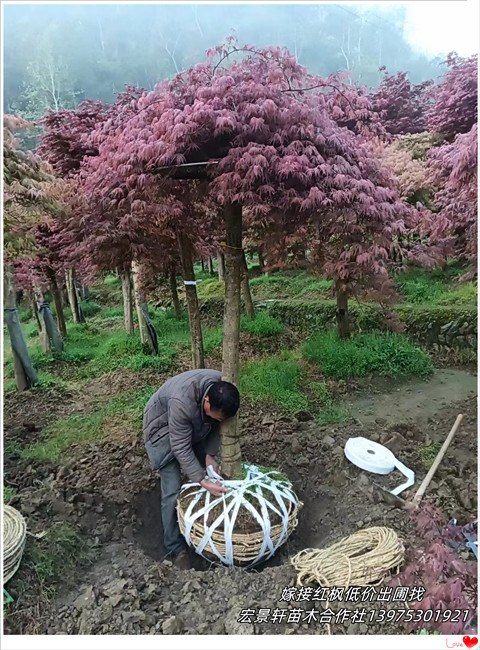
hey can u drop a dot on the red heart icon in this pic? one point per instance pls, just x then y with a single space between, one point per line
470 641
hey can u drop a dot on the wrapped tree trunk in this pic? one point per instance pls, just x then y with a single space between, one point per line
173 290
185 246
43 334
210 266
221 266
141 306
126 279
25 375
77 315
234 260
50 334
57 299
247 295
33 307
343 321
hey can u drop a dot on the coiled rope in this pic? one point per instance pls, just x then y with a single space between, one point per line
14 535
364 558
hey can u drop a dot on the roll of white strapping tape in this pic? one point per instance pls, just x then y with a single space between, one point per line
372 457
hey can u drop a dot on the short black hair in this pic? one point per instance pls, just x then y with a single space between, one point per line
224 397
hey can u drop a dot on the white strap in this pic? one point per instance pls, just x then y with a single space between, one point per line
255 484
191 282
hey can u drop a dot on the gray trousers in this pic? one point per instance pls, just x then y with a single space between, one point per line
162 459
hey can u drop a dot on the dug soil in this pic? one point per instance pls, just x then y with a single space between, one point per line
107 490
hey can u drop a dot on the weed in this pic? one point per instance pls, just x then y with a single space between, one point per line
212 338
261 325
428 454
90 308
58 552
8 494
389 355
276 380
112 281
330 412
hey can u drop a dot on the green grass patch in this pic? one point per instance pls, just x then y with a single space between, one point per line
261 325
436 286
329 411
90 308
8 494
428 454
112 280
212 338
112 312
59 551
24 314
387 354
276 380
81 429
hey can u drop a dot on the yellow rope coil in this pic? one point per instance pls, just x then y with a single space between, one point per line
14 535
364 558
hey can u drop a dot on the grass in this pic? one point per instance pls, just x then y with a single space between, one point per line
428 454
58 552
261 325
387 354
212 338
276 381
330 412
293 284
436 287
81 429
8 494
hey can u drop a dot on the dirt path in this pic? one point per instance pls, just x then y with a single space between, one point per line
416 401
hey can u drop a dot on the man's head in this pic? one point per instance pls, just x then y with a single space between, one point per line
222 401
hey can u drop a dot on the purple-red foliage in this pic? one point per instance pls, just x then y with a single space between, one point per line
447 578
281 154
400 104
454 171
453 107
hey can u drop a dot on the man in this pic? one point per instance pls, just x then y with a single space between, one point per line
181 427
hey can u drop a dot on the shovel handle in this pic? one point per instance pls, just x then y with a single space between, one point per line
426 481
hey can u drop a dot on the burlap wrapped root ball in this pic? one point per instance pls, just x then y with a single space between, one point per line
244 526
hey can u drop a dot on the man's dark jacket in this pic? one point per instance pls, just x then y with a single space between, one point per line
175 415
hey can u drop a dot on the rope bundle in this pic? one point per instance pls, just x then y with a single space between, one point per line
361 559
218 539
14 535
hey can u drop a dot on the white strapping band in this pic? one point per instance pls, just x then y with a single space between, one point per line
255 482
191 282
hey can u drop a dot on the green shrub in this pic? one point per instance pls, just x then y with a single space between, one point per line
276 380
24 314
30 330
112 280
262 325
391 355
90 308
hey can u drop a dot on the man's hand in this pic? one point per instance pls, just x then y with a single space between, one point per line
210 460
214 488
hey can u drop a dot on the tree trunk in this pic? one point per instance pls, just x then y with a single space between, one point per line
247 295
343 321
221 266
72 296
51 335
230 441
210 266
174 292
25 375
125 277
44 338
203 265
261 261
139 300
185 246
33 307
57 299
